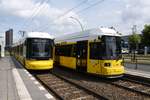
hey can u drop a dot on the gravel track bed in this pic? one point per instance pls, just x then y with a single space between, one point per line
98 85
135 86
66 90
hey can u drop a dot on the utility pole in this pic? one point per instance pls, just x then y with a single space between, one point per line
134 31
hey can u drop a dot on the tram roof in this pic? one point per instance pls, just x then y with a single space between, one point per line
43 35
38 35
86 35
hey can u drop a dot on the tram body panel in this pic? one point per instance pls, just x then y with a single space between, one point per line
69 62
94 67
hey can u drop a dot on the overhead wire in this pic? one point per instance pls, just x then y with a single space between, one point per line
80 11
68 11
90 6
35 12
38 11
35 9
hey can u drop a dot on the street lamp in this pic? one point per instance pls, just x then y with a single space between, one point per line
78 22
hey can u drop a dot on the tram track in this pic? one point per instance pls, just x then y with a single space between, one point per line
105 89
109 88
66 85
132 85
66 89
137 79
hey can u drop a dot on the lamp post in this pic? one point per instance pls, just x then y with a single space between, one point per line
78 22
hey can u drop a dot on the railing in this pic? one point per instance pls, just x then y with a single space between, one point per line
136 60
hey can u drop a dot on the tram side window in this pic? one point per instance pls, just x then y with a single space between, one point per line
59 50
94 50
66 50
70 50
97 50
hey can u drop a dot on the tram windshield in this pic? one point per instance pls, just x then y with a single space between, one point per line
108 48
112 47
40 48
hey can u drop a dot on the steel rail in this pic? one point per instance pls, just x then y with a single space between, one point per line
89 91
82 87
49 89
129 88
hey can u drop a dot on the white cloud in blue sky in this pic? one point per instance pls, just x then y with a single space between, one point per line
122 14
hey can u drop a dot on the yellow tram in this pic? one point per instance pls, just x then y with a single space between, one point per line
35 50
95 51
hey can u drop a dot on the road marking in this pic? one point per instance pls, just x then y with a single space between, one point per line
29 75
27 72
21 89
36 82
41 87
49 96
32 78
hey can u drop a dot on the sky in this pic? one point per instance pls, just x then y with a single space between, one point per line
54 16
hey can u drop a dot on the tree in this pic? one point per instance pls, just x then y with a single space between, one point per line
134 40
146 35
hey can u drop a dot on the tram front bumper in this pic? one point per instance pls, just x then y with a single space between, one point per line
39 65
113 71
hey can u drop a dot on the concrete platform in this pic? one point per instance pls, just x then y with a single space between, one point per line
16 83
140 73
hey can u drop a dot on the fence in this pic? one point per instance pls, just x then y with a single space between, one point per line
137 61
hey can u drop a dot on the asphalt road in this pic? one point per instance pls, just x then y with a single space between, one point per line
142 67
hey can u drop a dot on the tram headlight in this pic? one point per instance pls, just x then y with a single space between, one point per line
107 64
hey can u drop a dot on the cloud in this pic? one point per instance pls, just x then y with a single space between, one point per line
13 7
135 13
124 14
46 18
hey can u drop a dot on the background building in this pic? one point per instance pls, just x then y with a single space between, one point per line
8 39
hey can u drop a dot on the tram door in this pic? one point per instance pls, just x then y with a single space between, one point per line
81 56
